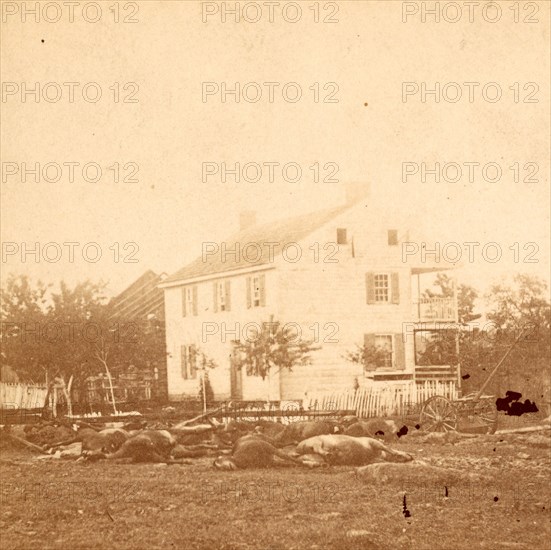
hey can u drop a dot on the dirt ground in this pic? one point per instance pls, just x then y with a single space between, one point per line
64 504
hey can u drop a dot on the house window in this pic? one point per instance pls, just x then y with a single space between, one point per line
189 300
188 362
382 287
392 237
384 343
341 236
256 291
390 352
221 295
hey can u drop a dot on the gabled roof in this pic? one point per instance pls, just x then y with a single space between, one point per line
142 297
281 232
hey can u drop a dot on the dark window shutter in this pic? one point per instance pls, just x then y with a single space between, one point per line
392 237
227 289
395 288
183 361
195 300
215 296
183 301
399 352
249 293
192 362
370 287
369 342
341 236
262 283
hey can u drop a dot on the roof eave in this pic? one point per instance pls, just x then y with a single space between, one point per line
217 275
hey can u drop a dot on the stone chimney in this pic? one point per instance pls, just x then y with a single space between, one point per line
356 191
247 219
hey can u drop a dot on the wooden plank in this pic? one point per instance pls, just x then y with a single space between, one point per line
24 442
283 414
367 407
525 430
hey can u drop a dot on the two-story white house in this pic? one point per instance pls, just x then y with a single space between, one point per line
339 277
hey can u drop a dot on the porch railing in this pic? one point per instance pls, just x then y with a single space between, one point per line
435 309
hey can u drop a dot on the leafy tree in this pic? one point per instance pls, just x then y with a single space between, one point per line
63 337
368 356
522 308
45 332
440 347
276 346
120 343
524 305
24 315
75 311
7 374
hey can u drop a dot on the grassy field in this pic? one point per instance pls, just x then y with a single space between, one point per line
63 504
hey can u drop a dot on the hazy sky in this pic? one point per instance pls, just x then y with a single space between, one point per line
170 131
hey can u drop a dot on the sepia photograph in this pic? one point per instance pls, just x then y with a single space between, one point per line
275 275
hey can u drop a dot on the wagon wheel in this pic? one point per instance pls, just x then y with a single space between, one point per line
484 414
438 414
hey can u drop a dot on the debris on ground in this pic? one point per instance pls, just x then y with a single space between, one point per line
415 472
47 433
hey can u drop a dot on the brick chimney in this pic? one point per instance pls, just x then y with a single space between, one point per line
247 219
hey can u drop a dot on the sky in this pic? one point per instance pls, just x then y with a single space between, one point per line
166 60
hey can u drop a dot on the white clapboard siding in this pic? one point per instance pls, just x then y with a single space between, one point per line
21 396
382 401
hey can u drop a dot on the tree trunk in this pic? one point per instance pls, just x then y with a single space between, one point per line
112 391
67 394
110 379
204 393
54 402
47 399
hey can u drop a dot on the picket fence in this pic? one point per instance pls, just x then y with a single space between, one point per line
391 400
21 396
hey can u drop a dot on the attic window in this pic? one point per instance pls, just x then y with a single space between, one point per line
341 236
392 237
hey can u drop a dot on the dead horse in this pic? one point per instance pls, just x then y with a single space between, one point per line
252 452
148 446
351 451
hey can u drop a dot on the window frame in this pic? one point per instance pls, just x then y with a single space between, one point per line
388 287
221 297
189 300
255 291
391 353
190 361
